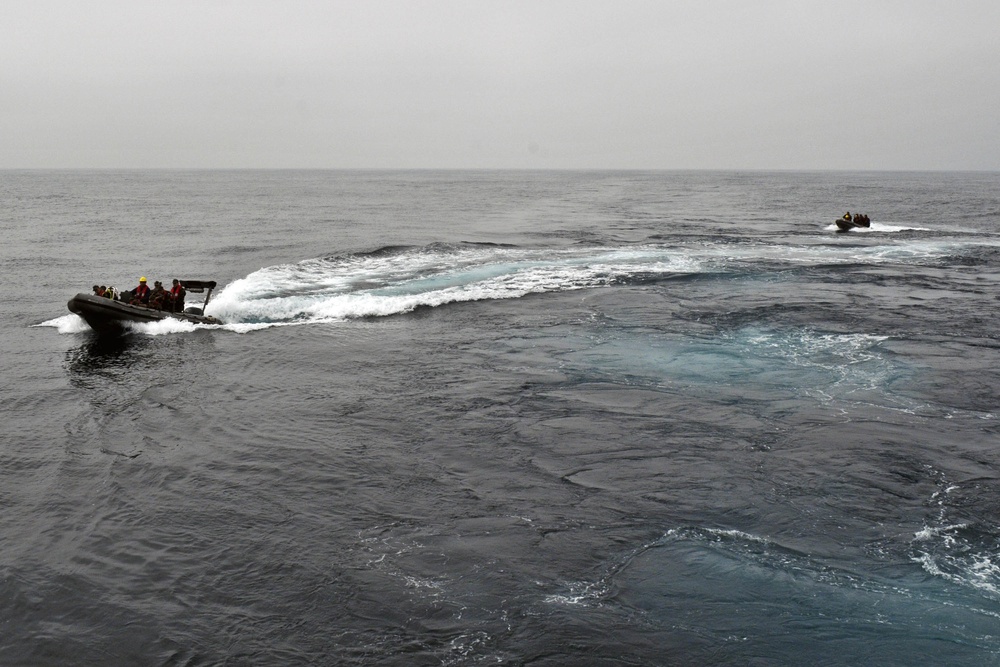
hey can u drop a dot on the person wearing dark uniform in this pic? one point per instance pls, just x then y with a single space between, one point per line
158 296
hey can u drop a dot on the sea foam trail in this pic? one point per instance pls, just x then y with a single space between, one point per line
395 281
883 227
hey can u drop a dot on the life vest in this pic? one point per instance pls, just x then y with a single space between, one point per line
142 291
177 291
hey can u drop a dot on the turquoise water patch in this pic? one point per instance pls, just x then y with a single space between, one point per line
750 596
824 366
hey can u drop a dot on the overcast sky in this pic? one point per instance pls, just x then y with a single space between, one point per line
675 84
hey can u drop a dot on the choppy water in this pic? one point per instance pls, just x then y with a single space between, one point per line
504 418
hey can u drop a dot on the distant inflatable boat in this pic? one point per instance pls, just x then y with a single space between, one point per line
106 315
844 225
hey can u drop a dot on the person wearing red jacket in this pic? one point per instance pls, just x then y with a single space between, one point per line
177 293
140 294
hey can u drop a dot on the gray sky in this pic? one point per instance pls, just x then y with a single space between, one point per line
771 84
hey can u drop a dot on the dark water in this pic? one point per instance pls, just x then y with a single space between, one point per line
504 418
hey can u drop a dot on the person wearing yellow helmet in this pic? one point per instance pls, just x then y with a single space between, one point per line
141 293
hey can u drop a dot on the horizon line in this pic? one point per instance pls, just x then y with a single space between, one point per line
525 169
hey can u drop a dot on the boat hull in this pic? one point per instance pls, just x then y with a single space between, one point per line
108 316
845 225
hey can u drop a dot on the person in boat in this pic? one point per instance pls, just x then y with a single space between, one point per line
98 290
847 216
110 292
158 297
177 294
140 295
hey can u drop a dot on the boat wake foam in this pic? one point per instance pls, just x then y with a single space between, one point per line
882 227
67 324
398 280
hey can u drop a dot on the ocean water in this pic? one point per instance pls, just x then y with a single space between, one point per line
516 418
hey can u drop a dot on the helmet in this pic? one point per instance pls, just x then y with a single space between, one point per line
143 279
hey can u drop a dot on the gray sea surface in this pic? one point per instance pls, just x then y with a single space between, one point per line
519 418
